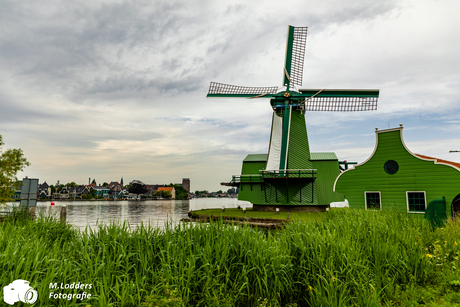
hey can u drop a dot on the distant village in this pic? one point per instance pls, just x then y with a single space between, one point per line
135 190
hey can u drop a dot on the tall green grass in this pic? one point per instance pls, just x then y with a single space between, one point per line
349 258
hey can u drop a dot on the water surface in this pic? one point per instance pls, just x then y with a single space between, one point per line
85 214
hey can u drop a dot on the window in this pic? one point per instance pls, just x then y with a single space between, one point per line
391 167
416 201
373 200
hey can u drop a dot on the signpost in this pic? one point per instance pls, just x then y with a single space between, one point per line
29 195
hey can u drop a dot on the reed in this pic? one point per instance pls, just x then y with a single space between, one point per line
348 258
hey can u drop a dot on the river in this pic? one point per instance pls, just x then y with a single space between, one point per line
83 214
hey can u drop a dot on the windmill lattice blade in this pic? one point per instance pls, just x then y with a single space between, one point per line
220 88
341 104
298 54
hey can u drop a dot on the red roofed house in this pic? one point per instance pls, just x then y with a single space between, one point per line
168 189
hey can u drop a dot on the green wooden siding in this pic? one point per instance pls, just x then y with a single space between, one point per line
252 167
327 173
251 192
414 175
299 150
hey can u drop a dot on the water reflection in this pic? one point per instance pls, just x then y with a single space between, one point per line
84 214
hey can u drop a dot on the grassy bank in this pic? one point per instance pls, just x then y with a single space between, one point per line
293 216
348 258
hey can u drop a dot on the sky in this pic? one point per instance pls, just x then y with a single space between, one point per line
111 89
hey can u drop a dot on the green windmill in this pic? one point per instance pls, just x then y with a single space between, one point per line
287 175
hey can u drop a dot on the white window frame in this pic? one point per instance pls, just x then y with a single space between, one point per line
380 197
407 201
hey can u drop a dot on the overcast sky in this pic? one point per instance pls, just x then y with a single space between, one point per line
111 89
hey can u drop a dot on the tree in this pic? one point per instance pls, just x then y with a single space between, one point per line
137 187
71 184
105 184
11 162
164 194
92 193
181 193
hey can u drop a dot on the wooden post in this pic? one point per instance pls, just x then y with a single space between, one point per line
63 213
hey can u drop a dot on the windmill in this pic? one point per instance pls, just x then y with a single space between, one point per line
288 176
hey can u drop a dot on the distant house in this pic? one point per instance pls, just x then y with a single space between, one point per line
44 190
102 191
116 195
17 190
168 189
152 188
115 187
64 194
76 192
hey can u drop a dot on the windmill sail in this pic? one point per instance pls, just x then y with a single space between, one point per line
341 104
227 90
340 100
298 54
295 53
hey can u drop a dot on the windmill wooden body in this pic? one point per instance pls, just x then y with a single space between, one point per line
287 176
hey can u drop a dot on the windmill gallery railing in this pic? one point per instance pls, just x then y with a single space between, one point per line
275 174
275 187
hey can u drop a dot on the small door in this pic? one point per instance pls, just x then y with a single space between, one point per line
456 206
436 212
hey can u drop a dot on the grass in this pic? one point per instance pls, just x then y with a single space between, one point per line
347 258
293 216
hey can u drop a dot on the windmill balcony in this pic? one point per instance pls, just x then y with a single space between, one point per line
289 174
275 174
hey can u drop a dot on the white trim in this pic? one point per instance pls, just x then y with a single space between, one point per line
276 136
380 198
388 130
359 164
407 201
288 134
434 160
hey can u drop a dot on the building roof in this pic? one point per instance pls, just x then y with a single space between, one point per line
167 189
43 186
256 158
456 164
100 188
315 156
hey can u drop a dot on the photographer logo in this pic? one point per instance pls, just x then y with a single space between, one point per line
19 290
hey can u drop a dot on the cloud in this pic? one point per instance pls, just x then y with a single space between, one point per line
105 87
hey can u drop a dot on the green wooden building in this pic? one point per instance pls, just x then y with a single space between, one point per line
395 178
